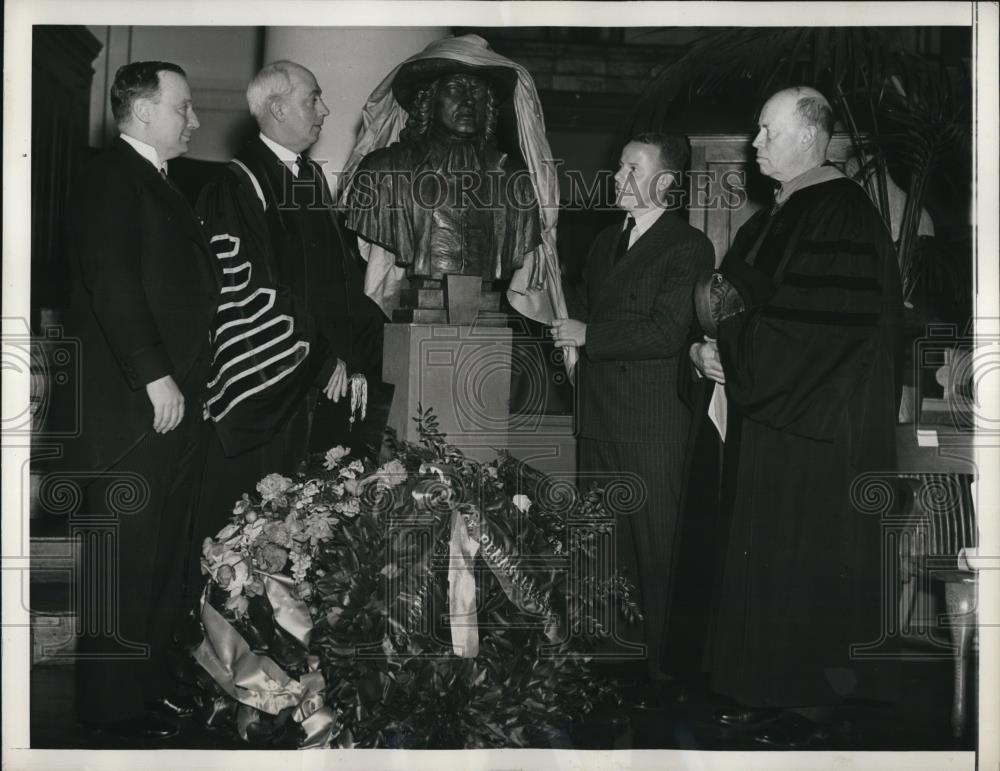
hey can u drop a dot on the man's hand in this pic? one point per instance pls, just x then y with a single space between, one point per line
168 404
568 333
705 357
337 387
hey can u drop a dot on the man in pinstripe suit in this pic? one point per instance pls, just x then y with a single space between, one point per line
631 331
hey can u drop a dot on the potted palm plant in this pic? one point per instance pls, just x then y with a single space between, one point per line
905 113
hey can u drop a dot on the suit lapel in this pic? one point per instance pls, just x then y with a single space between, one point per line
170 198
652 242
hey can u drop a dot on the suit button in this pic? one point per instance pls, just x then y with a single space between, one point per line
623 368
632 296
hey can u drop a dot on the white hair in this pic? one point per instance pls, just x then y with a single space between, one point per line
274 80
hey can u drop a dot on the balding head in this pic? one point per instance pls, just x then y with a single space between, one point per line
813 109
795 128
287 104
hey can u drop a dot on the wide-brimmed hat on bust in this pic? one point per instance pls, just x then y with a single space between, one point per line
414 75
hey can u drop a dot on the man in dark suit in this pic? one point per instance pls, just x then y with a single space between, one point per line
635 314
292 309
145 289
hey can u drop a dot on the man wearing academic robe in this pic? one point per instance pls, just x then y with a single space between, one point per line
291 307
807 350
144 291
631 328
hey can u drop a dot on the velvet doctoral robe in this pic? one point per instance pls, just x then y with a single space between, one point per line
289 300
811 381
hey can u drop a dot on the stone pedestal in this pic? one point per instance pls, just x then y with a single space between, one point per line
462 372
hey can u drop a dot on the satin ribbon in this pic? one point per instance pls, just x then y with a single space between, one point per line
317 719
520 587
470 534
248 677
259 684
290 613
462 550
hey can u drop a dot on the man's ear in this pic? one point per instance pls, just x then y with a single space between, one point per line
664 180
276 107
809 134
142 109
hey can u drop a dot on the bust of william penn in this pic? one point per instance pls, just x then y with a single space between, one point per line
444 199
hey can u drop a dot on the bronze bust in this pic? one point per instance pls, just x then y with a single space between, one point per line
444 200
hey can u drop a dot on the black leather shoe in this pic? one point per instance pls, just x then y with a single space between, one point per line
178 706
743 717
141 728
792 731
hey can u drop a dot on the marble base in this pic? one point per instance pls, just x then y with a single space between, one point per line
462 372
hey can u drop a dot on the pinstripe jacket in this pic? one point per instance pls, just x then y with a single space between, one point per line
638 314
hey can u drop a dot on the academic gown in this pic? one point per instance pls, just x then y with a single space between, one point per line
291 306
286 312
812 387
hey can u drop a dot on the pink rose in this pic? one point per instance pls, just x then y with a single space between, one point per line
273 486
225 576
391 474
334 455
277 532
271 558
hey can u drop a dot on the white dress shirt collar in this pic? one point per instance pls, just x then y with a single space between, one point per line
146 151
286 156
643 222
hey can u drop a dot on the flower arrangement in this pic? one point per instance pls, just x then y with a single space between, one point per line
427 601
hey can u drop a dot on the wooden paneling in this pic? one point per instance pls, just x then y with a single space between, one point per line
726 188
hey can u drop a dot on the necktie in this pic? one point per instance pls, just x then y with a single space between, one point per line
171 185
623 238
305 169
310 187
